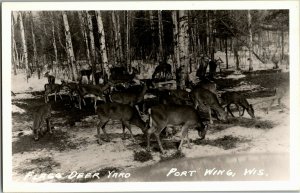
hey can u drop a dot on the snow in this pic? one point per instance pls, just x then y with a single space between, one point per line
16 109
91 156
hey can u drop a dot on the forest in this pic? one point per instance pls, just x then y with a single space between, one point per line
65 42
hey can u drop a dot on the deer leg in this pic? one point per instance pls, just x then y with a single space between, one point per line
49 128
149 133
228 110
123 127
104 131
159 143
183 135
101 125
129 128
269 106
46 98
238 108
210 118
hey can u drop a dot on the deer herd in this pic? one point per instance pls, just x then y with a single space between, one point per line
120 100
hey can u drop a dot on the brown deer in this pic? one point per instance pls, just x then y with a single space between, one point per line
162 116
229 98
129 96
51 79
208 85
162 71
280 92
205 98
52 88
43 114
123 112
94 91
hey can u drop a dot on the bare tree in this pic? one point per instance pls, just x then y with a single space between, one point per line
102 44
83 31
54 42
175 39
35 59
160 35
24 45
183 42
128 55
250 41
70 46
14 57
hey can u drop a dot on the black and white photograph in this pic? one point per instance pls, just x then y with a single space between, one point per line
96 93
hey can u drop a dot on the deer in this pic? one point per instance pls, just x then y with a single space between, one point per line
229 98
178 96
74 88
205 98
94 91
43 114
280 92
120 75
208 85
51 79
52 88
125 113
87 73
162 116
164 70
129 96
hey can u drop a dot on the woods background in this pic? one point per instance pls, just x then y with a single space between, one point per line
64 42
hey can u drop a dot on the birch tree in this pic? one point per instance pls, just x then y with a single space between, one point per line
54 42
152 28
14 57
92 40
70 46
102 44
160 35
35 59
83 31
175 39
250 41
183 43
24 45
128 55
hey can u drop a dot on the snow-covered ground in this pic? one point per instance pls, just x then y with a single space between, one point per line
81 152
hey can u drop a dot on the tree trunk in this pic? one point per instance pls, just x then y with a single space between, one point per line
250 41
92 40
226 52
14 58
102 44
128 61
160 35
152 27
116 44
183 41
282 45
236 53
70 46
35 60
119 39
175 40
83 31
207 34
54 43
24 44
